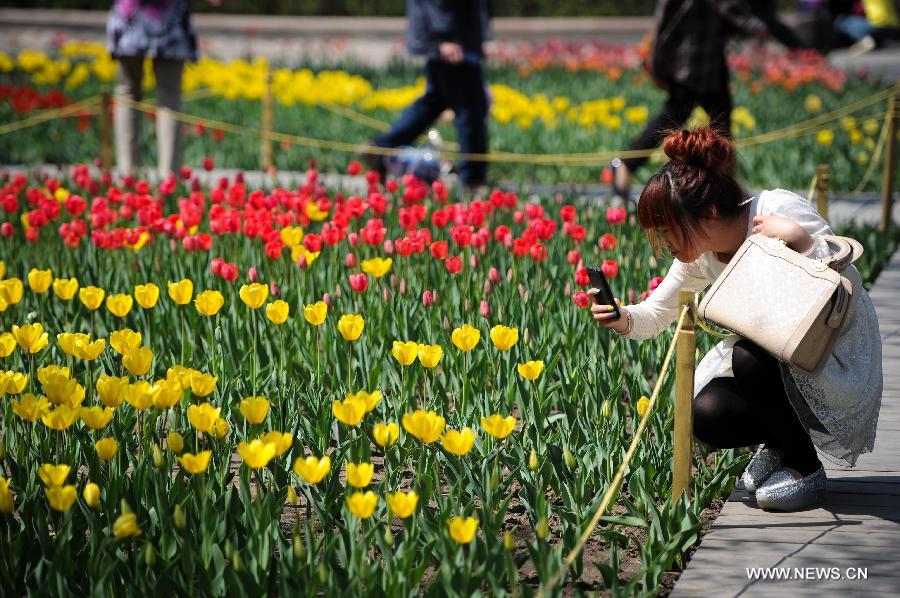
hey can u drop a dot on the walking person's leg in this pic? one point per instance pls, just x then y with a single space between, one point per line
127 119
168 129
467 97
419 115
718 105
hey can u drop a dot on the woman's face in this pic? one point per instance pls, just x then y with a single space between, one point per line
677 245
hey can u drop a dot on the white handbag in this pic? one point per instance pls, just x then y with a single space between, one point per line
790 305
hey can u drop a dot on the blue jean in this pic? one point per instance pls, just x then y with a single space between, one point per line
461 88
857 27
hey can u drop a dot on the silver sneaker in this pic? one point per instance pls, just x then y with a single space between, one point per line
782 492
761 466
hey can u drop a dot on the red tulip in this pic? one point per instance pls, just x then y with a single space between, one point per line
573 257
494 275
388 247
581 277
229 272
350 260
359 282
453 264
302 263
427 298
274 289
581 299
655 282
473 260
208 164
326 299
610 268
616 214
484 309
6 229
608 242
354 168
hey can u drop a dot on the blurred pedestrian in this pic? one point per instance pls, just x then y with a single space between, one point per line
162 31
688 61
450 35
866 25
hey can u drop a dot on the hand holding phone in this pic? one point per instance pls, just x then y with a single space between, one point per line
603 296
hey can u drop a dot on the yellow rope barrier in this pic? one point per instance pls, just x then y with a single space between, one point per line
51 114
366 120
810 195
620 472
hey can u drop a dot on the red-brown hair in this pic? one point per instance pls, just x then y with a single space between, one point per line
698 177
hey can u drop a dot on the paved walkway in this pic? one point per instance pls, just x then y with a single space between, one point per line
858 526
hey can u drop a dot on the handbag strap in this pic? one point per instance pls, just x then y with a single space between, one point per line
847 251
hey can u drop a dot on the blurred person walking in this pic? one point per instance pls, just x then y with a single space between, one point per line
162 31
450 35
688 61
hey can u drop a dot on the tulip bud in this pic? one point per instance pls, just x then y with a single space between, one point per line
326 299
526 338
386 294
542 530
495 478
394 281
350 260
651 263
540 309
509 274
486 290
403 286
568 289
124 506
427 298
388 247
533 460
473 260
149 555
606 409
494 275
253 275
291 495
446 323
2 451
175 442
522 290
158 459
467 305
338 292
388 535
180 519
323 573
484 309
274 289
569 458
434 295
509 540
236 560
91 495
353 239
632 296
302 263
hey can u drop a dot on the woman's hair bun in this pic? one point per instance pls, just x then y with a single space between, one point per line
701 147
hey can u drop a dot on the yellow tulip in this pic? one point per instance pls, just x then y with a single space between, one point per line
111 389
405 352
181 376
208 303
126 526
430 355
385 434
465 337
65 288
53 475
315 312
462 530
60 418
350 411
7 344
371 399
281 441
377 267
458 442
68 340
31 337
360 474
202 384
175 442
40 280
146 295
88 350
91 297
106 448
12 383
31 408
351 326
203 416
125 340
362 504
254 409
643 405
254 294
96 418
141 394
11 290
61 498
181 292
504 337
256 454
292 497
60 389
220 428
498 426
402 504
426 426
137 361
91 495
311 469
7 504
277 311
119 305
167 394
195 463
530 370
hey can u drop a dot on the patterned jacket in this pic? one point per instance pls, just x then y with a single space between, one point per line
154 28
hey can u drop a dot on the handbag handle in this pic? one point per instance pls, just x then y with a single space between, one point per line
848 251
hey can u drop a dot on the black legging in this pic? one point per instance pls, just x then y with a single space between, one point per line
753 408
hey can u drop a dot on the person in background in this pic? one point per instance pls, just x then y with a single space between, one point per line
450 35
765 11
866 25
688 61
161 30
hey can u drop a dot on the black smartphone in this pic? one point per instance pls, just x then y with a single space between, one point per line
605 296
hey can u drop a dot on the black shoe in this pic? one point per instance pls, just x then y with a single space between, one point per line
374 162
